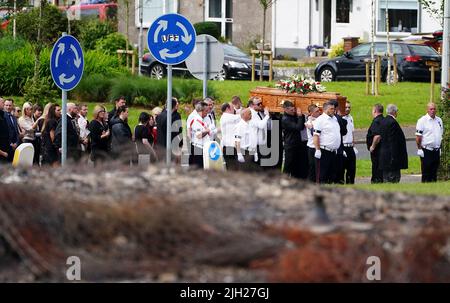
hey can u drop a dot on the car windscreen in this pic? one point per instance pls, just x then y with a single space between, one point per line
423 50
233 51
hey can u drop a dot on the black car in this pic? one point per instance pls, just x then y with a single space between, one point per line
236 65
411 63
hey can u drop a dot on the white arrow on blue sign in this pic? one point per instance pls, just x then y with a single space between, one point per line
171 39
67 62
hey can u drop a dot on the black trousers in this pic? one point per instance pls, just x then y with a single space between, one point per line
349 170
292 163
326 167
229 156
391 176
304 162
430 165
196 157
249 165
377 173
312 165
339 168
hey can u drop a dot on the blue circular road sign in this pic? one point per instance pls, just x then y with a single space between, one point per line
214 151
171 39
67 62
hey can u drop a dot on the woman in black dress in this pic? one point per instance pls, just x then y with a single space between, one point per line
144 137
50 154
99 134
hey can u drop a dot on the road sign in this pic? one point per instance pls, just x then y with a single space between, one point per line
207 57
171 39
212 156
67 63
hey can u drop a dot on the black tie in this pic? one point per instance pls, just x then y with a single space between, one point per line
260 115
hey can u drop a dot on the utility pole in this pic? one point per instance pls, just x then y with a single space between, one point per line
14 19
446 46
141 34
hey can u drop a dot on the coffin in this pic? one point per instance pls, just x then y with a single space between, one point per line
272 98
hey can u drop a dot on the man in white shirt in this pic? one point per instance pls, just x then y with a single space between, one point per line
350 150
200 134
327 140
314 113
228 123
246 142
259 123
189 120
429 131
210 118
83 125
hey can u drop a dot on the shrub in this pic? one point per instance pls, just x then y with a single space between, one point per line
111 43
16 67
93 88
207 28
39 91
336 50
98 62
92 31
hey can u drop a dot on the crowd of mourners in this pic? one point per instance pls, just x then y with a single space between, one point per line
317 145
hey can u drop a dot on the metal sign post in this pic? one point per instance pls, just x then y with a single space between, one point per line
206 61
66 67
171 39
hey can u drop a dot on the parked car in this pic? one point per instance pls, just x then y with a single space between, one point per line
93 9
237 65
411 63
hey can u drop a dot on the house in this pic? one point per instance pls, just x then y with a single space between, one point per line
300 23
240 22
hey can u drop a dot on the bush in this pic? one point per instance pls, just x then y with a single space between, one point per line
336 50
93 88
207 28
98 62
16 67
39 91
92 31
111 43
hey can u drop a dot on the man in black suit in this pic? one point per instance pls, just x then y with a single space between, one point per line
373 139
73 134
393 153
177 132
4 135
13 128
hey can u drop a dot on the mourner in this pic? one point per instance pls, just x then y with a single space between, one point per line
429 131
246 142
349 171
393 153
200 134
292 123
314 112
228 123
259 123
210 118
340 155
373 139
73 135
327 140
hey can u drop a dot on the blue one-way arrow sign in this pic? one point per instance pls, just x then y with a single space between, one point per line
171 39
67 63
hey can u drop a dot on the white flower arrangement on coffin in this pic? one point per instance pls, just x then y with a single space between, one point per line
300 85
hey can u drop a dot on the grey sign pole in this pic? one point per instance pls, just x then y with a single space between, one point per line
169 115
64 124
205 67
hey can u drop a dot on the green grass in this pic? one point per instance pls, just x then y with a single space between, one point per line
364 167
438 188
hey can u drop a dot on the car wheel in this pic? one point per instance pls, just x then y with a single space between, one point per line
222 75
157 71
327 74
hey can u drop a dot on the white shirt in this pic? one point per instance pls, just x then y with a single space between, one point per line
328 130
26 123
431 131
259 126
189 121
82 123
348 138
228 124
197 127
309 127
244 133
211 123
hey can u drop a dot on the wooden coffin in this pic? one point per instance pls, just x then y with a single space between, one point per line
272 98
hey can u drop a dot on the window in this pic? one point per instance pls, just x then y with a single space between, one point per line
343 11
221 12
361 50
422 50
402 15
152 9
382 48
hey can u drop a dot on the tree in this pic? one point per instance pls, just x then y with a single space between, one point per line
436 11
265 4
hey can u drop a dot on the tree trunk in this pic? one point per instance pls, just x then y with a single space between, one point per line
261 68
127 3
